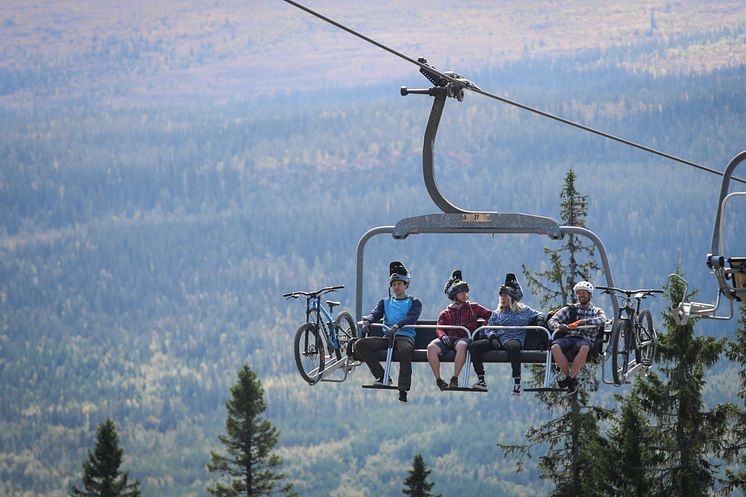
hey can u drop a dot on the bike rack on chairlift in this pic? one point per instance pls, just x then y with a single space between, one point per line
459 221
725 268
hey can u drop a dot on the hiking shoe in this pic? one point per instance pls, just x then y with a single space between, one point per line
453 385
564 383
441 384
516 389
403 396
379 381
573 386
480 385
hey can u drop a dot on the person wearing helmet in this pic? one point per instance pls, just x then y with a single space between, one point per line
576 343
398 311
509 312
460 313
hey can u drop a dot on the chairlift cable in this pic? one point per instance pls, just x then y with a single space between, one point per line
469 86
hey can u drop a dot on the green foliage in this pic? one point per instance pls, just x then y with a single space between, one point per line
627 459
569 439
735 448
687 436
555 284
101 475
416 484
249 466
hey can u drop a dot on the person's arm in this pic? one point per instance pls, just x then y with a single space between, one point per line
376 314
413 315
559 319
598 319
442 320
482 311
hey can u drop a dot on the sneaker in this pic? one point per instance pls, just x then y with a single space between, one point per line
441 384
403 396
516 389
480 385
453 385
573 386
564 383
379 381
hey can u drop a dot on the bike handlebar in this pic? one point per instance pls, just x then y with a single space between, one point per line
316 293
629 293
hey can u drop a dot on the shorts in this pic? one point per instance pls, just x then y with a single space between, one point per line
445 348
571 345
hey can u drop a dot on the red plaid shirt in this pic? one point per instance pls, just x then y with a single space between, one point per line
465 316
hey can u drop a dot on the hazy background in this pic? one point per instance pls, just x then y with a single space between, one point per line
167 171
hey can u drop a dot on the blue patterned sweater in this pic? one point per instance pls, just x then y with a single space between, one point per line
510 318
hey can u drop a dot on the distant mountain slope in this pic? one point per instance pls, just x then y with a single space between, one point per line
151 51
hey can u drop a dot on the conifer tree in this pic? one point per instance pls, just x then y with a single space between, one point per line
416 484
571 437
249 467
555 285
101 475
687 436
628 458
735 450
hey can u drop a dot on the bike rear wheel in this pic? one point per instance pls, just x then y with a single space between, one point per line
621 335
648 338
309 353
346 331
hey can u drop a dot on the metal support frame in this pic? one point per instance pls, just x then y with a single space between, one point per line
487 223
715 259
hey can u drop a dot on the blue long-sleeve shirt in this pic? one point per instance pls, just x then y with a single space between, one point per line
395 315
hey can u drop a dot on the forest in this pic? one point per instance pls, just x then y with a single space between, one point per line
144 250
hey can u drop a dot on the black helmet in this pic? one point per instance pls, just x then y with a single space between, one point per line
455 285
398 272
512 288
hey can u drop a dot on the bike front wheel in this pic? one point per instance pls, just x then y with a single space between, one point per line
621 335
309 353
346 331
648 338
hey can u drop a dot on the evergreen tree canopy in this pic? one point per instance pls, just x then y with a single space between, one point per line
249 466
416 484
101 475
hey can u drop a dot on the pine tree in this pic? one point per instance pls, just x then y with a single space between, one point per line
735 450
628 458
571 437
687 436
249 465
416 484
101 475
555 285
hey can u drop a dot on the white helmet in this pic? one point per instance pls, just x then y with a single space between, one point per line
583 285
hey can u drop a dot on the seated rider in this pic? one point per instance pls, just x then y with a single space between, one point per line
509 312
397 312
460 313
576 343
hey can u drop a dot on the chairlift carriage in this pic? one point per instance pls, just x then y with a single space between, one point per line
319 351
724 266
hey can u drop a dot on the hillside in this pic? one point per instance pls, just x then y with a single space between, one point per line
155 209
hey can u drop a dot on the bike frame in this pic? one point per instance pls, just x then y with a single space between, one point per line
313 306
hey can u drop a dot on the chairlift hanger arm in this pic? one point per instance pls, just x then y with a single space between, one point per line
459 83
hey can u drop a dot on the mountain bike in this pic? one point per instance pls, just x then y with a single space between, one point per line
633 338
321 336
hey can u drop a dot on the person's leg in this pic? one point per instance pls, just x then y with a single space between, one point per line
560 359
433 356
476 349
404 347
513 348
579 361
460 360
367 349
